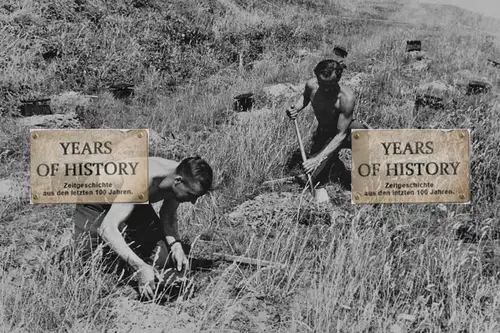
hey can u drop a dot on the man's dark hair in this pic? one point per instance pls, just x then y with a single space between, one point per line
196 170
325 68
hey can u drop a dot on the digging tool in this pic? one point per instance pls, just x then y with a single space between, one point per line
319 195
248 261
303 154
279 181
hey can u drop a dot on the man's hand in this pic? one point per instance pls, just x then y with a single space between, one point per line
146 277
312 164
179 257
292 113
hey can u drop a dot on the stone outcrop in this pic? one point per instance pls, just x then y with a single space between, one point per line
286 90
436 88
59 120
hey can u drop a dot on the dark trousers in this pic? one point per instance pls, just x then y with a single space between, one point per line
143 233
334 169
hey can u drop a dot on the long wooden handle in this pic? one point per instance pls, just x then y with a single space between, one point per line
248 261
303 153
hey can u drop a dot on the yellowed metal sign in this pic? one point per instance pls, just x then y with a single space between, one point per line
410 166
89 166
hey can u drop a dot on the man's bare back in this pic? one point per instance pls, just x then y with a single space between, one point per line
159 170
328 103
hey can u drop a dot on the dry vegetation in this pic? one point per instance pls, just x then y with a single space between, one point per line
375 269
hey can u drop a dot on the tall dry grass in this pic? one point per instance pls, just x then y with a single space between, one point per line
389 267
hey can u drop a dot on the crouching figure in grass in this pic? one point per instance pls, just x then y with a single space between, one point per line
154 240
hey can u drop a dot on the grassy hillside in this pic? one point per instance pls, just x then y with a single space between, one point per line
376 269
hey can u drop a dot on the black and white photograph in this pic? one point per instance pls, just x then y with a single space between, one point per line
309 166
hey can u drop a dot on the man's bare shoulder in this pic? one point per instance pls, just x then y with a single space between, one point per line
312 83
159 166
347 94
159 170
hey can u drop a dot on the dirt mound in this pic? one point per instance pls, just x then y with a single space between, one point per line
284 207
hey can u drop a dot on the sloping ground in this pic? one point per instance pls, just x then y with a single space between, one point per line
281 207
348 268
136 317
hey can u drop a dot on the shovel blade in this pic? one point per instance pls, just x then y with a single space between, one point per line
321 195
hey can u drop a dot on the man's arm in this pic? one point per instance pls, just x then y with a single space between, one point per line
108 231
168 218
344 121
347 104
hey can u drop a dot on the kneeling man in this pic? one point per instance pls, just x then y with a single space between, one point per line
148 233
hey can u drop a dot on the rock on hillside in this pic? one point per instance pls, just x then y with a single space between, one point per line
436 88
284 90
280 94
68 120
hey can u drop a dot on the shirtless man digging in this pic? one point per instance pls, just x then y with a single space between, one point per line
170 181
333 106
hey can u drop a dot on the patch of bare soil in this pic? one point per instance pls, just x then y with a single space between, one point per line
134 316
276 207
250 313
